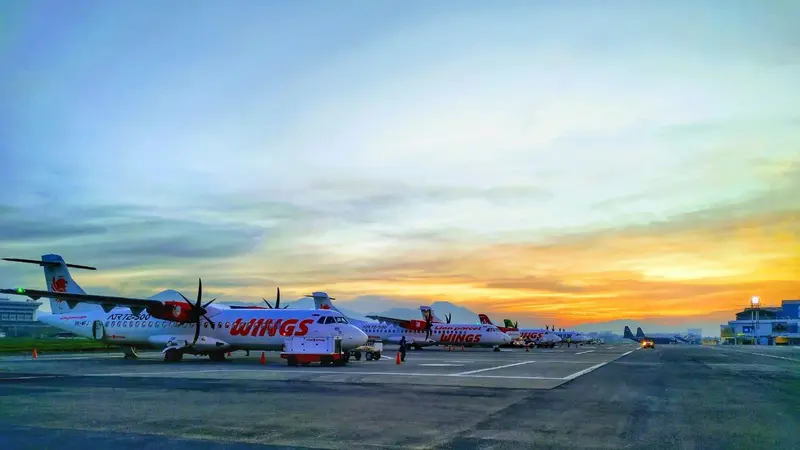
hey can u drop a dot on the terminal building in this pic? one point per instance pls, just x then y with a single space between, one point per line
18 319
764 325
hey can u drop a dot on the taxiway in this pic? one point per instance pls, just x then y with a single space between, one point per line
605 396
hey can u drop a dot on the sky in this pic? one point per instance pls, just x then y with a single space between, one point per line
553 162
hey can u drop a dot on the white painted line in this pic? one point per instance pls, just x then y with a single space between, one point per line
771 356
494 368
32 377
326 372
609 348
441 365
386 357
594 367
583 353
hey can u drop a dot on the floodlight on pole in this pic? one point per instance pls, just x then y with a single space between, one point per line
754 302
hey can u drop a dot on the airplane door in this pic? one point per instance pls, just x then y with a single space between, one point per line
98 330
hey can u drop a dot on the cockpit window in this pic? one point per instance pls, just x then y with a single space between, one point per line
491 330
321 320
340 319
330 320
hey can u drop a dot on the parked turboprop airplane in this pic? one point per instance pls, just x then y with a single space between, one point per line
421 333
536 335
166 320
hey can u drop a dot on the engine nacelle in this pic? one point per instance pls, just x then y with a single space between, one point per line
174 311
417 325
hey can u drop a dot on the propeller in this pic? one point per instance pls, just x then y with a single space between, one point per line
277 301
448 317
198 310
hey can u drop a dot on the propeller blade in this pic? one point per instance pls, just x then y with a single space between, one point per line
212 301
199 292
210 322
196 332
268 303
286 306
278 299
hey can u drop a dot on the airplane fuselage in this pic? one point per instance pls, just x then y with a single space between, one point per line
441 334
235 329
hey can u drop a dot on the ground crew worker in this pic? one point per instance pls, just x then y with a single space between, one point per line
403 349
569 341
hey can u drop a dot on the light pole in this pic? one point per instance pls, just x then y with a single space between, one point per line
754 302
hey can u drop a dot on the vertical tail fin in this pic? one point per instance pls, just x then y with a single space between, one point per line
509 324
427 311
640 333
628 334
322 301
485 319
58 279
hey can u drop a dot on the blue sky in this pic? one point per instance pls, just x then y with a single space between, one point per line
377 147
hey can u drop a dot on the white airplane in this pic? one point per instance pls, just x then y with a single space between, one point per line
171 322
538 336
419 333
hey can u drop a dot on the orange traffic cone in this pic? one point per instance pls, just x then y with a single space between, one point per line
35 355
397 359
263 358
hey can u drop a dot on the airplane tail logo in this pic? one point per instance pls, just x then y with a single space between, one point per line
485 319
58 285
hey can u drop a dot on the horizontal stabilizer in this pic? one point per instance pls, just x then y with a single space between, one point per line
48 263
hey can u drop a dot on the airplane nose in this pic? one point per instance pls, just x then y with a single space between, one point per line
355 336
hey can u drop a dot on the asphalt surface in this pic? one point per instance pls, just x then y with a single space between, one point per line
592 397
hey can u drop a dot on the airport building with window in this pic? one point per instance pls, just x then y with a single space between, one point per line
18 318
764 325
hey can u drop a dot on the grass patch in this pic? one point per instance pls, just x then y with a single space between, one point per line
26 345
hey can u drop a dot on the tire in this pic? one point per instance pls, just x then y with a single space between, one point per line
357 355
368 356
291 360
376 356
173 355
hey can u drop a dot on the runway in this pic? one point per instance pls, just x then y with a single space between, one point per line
589 397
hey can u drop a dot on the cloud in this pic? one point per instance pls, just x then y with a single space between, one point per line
122 236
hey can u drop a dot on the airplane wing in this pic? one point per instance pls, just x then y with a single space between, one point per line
401 322
106 301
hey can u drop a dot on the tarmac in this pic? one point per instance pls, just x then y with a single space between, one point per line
603 396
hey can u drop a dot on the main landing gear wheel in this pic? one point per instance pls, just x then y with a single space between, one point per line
172 355
130 352
217 356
